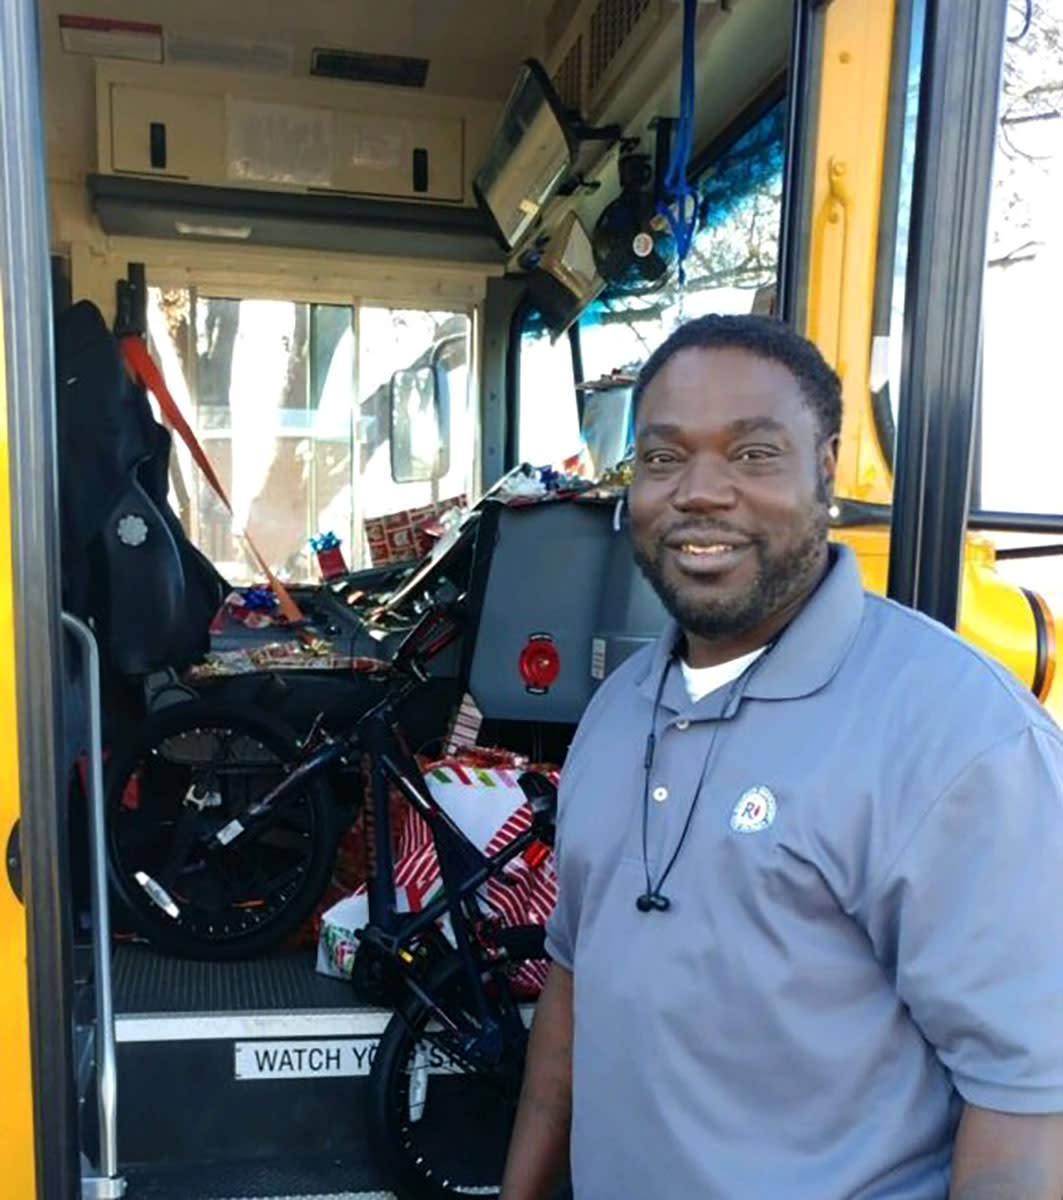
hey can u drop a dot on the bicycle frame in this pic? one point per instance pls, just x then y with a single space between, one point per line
375 739
463 867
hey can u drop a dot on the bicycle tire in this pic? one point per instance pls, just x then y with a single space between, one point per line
303 844
414 1169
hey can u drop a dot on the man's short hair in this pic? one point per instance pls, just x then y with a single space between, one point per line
767 338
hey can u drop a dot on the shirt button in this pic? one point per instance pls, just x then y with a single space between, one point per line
682 723
660 794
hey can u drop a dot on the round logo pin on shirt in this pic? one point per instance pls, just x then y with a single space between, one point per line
754 811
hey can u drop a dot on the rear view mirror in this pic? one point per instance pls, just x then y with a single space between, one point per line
538 148
420 451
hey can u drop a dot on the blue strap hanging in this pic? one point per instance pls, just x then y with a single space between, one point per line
682 222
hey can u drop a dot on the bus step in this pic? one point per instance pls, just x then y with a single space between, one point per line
242 1063
148 982
303 1179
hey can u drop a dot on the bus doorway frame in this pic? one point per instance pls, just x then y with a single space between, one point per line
29 513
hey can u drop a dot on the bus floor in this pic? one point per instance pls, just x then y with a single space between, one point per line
241 1080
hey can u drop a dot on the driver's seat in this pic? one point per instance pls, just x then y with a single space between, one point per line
127 564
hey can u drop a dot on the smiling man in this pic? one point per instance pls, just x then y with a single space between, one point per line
809 937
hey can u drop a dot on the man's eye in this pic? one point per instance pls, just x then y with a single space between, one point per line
757 454
658 458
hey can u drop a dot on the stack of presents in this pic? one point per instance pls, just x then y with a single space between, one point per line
478 790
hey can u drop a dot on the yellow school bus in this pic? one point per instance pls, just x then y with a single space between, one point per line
299 208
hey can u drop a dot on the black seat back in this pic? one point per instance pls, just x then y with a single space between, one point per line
127 564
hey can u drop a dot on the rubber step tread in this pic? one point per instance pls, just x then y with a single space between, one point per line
291 1178
146 982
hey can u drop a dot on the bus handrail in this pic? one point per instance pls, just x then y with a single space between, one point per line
107 1184
841 202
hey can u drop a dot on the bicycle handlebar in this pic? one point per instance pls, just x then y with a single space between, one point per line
407 668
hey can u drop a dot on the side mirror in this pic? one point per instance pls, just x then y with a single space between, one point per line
605 423
420 450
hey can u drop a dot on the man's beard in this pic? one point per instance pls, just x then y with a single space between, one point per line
781 576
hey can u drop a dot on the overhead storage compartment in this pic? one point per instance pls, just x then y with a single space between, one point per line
223 140
220 129
184 134
218 156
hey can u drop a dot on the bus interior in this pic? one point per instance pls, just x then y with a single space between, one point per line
321 318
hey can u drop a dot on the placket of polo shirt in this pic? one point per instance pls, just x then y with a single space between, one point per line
683 761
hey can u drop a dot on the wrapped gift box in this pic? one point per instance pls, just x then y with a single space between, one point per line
487 804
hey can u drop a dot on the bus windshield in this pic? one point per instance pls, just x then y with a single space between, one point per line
731 268
732 264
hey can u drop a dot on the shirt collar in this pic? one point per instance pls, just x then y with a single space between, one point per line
804 659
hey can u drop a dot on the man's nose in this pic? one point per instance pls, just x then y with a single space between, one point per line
706 484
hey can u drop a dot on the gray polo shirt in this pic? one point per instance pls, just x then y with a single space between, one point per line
866 922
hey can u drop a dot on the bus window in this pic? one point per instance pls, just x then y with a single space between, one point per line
267 386
1021 417
732 264
736 253
548 428
270 388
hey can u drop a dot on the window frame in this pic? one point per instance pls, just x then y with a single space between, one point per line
518 324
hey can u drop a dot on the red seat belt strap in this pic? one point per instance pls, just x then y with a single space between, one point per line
143 369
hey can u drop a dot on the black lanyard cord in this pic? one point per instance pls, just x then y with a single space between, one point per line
651 899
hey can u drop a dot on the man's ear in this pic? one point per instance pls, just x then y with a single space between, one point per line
828 461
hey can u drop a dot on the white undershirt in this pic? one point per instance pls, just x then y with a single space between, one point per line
702 680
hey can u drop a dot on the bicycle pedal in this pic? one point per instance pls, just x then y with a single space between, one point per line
158 895
375 978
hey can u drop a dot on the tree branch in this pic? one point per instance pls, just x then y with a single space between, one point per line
1016 256
1025 120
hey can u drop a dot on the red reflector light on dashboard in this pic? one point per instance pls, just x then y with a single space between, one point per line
539 663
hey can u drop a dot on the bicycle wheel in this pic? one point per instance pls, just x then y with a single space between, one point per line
187 772
439 1129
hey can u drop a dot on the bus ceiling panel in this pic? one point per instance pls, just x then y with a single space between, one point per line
470 52
740 53
956 135
233 216
741 48
746 57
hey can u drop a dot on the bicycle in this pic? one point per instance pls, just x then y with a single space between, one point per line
450 1061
